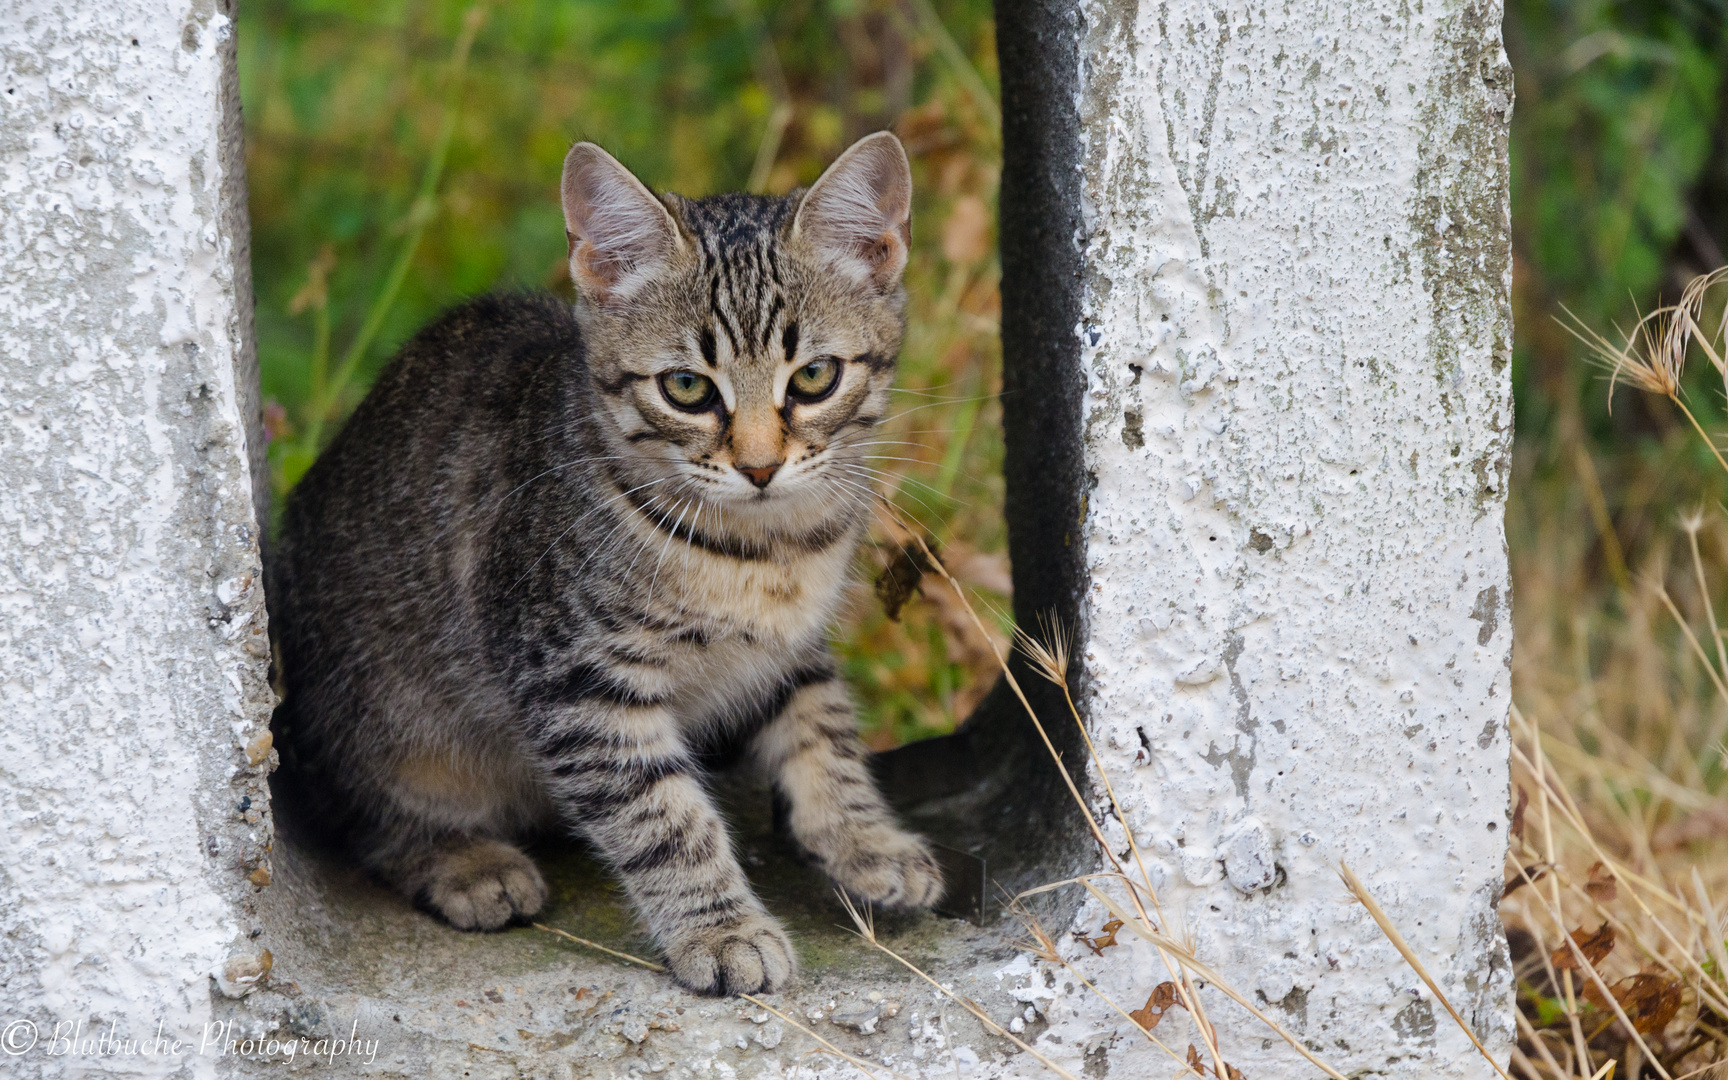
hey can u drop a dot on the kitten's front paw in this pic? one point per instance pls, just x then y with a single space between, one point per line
483 886
750 956
887 867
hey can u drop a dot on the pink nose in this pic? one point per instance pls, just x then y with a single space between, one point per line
760 474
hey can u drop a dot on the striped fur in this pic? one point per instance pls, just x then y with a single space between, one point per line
524 588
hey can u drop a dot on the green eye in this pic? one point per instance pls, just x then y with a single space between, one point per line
686 389
815 379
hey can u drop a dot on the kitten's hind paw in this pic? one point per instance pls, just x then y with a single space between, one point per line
750 956
482 885
888 867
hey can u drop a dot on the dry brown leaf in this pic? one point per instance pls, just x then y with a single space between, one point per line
1601 886
1595 948
1106 937
1518 814
1231 1072
1163 999
1593 994
1650 1000
901 577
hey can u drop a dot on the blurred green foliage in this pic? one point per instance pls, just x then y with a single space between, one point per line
404 155
1620 196
395 170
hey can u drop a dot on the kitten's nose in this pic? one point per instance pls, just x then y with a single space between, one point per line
760 474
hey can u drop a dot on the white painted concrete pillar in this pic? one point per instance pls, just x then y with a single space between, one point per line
1296 331
134 824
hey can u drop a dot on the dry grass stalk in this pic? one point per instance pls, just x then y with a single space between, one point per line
1668 951
1050 656
1192 963
1366 899
1043 946
1618 759
1208 1034
595 945
1644 888
866 929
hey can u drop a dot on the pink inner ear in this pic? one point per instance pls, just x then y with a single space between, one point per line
887 256
593 268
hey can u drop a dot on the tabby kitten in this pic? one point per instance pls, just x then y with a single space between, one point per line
557 558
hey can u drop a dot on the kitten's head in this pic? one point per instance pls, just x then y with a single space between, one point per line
742 346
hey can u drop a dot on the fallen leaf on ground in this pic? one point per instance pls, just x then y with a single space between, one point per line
1601 886
1595 947
1650 1000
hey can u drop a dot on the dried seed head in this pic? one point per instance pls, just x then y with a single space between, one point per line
1049 651
1653 356
1638 360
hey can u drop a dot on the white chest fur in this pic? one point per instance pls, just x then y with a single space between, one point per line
773 613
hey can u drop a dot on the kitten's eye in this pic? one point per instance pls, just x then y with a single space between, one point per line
813 381
686 389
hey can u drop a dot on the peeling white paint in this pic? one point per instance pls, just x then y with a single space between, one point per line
126 692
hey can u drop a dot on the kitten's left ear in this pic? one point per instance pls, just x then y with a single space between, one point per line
858 215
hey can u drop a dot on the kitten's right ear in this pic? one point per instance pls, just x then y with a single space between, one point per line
620 234
858 213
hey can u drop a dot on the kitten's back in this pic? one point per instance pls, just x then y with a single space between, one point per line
382 539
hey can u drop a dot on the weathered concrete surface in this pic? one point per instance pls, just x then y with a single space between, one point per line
132 645
1296 328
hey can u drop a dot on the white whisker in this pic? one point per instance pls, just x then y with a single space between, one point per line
898 479
668 547
555 468
577 522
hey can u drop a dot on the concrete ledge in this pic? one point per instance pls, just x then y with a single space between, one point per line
426 1000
